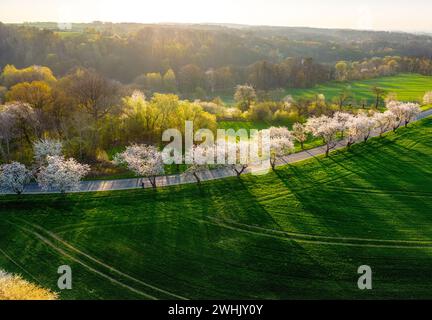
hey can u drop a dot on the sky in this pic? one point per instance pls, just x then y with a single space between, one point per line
402 15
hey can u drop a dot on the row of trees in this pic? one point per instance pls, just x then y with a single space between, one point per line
53 171
50 169
93 115
378 67
193 81
147 161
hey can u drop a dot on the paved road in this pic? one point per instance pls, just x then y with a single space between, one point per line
125 184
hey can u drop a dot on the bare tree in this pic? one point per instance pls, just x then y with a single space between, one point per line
95 94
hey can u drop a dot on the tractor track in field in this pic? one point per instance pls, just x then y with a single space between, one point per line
91 258
317 239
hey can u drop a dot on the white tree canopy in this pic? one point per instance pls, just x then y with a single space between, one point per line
46 147
143 160
61 174
326 128
14 177
202 157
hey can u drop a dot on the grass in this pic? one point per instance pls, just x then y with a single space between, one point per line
299 232
408 86
260 125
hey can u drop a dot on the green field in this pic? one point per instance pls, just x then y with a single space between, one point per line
300 232
409 87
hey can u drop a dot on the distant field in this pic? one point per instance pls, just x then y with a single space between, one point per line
299 232
68 34
409 87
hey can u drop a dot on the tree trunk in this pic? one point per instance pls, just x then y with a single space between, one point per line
197 177
273 163
153 182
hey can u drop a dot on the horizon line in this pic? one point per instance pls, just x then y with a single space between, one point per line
226 24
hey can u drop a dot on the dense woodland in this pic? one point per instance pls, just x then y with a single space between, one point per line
200 60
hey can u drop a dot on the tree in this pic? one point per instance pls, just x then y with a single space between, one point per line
384 121
190 77
379 94
170 81
345 95
300 134
341 71
260 112
237 156
202 157
12 76
46 147
14 177
145 161
154 81
95 94
411 112
7 131
281 143
61 174
325 128
26 120
342 118
404 112
427 99
245 95
37 94
359 128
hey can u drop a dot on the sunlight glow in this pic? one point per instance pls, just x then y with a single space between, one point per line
368 14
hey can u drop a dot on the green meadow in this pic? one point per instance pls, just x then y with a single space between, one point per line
299 232
407 86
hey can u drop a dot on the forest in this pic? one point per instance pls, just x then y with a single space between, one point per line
205 60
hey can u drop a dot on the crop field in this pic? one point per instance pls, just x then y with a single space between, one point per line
299 232
407 86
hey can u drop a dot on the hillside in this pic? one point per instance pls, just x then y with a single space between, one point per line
300 232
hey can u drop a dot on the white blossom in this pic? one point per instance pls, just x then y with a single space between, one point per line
46 147
404 112
427 99
281 143
384 121
299 133
325 128
237 156
61 174
14 177
202 156
143 160
342 118
359 128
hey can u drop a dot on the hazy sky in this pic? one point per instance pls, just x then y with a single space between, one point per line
412 15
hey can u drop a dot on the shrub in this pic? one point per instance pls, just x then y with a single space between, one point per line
13 287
